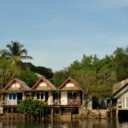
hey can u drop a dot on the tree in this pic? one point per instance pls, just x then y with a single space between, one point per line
93 74
47 72
85 78
31 106
7 71
15 51
29 77
120 58
60 77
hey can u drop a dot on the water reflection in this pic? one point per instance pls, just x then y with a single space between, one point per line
63 124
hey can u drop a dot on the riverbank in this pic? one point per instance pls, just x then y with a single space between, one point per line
86 114
93 114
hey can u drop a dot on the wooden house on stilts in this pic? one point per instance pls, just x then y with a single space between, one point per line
71 95
68 97
120 99
15 91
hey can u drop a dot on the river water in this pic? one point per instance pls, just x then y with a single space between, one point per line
63 124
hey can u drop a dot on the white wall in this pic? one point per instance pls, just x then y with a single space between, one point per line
64 99
42 84
14 86
123 100
50 98
69 85
11 101
35 96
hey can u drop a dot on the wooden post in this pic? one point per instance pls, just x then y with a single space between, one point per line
60 111
11 110
79 110
23 96
44 93
117 112
52 111
7 110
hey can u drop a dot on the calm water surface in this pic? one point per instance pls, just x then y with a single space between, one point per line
63 124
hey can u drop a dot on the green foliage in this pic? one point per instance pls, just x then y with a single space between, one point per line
31 106
29 77
120 58
96 76
59 77
7 71
47 72
11 65
15 52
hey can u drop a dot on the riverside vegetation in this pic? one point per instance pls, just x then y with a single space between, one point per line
95 75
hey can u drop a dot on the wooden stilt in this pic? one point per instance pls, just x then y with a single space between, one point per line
117 111
52 113
11 110
60 111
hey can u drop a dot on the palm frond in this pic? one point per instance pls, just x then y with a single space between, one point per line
23 52
5 53
16 52
26 57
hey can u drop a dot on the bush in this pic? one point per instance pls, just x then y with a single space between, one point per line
31 106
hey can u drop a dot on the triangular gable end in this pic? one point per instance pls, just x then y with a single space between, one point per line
42 83
120 91
14 84
69 82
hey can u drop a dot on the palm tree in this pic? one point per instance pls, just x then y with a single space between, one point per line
15 52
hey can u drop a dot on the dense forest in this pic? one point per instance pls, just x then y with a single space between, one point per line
96 75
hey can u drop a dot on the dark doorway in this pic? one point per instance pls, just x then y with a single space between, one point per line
75 110
46 96
19 97
55 97
123 115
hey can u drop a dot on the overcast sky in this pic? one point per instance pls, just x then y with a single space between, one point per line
57 32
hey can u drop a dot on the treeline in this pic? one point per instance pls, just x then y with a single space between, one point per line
97 75
12 65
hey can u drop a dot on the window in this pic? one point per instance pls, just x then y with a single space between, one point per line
12 96
123 101
42 95
38 95
126 101
72 95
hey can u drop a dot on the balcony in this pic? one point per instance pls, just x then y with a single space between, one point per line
74 102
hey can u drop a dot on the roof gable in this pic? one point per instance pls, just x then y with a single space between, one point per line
70 84
120 85
120 88
16 84
43 83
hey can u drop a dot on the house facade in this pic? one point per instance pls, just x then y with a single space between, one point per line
120 98
71 95
44 90
68 95
15 91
